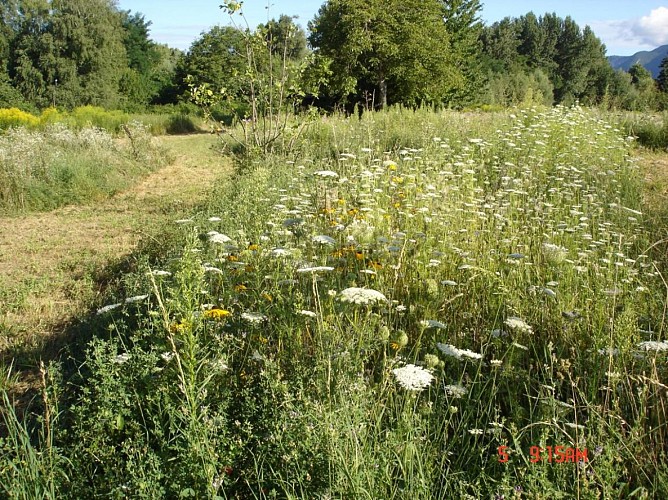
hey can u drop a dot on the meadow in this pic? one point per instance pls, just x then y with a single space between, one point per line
410 304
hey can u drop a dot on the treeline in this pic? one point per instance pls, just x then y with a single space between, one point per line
372 53
69 53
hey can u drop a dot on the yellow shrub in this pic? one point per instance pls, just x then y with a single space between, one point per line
14 117
51 115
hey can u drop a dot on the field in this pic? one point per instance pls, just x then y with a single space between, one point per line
410 304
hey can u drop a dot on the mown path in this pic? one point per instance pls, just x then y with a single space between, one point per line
48 260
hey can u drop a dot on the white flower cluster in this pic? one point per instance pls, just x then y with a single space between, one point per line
450 350
518 324
362 296
413 378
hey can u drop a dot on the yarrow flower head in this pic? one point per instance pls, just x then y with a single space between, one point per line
412 377
362 296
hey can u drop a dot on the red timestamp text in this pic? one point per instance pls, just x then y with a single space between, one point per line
549 454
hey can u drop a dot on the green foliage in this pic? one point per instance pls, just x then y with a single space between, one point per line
237 365
386 52
573 59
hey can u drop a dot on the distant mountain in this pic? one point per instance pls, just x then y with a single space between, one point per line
650 60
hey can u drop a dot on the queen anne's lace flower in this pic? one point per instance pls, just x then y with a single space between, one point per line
356 295
413 378
450 350
515 323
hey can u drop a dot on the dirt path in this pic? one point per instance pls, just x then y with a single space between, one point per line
47 260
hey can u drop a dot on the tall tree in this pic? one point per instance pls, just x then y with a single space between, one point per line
69 52
217 59
662 79
464 27
397 51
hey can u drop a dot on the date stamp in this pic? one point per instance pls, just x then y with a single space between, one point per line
549 454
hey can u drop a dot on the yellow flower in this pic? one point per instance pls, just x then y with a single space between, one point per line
179 326
240 288
216 314
397 180
267 297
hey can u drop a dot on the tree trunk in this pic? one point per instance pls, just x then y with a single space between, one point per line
382 87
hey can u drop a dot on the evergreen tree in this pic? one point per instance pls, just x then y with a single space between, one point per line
662 79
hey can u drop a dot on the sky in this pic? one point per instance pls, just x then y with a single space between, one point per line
624 26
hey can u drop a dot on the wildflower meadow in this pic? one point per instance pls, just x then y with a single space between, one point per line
410 304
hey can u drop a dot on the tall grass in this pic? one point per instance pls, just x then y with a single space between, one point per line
374 313
41 170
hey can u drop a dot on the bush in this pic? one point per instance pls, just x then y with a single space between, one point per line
14 117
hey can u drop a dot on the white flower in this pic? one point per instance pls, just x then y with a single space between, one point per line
450 350
432 323
158 272
307 313
214 219
167 356
136 298
413 378
515 323
108 308
315 269
455 390
356 295
122 358
609 351
280 252
326 173
216 237
211 269
652 345
324 240
253 317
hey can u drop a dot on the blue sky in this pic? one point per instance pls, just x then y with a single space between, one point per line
625 26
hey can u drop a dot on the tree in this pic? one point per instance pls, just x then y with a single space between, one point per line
216 59
69 52
662 79
284 37
463 25
397 51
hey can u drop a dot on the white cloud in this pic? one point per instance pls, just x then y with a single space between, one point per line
632 35
653 29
